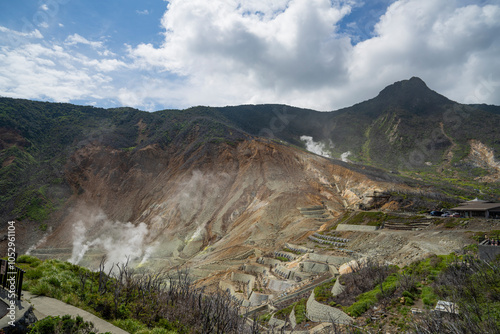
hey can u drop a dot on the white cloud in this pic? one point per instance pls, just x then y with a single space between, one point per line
251 51
290 51
449 46
142 12
54 71
13 34
227 52
77 39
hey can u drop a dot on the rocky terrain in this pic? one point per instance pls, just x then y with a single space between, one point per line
183 213
207 185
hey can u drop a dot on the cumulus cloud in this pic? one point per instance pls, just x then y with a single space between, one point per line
253 50
39 70
306 53
439 41
292 51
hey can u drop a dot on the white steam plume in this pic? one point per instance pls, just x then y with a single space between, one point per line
344 156
41 241
119 241
316 147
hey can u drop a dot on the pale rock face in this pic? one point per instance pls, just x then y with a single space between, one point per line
484 157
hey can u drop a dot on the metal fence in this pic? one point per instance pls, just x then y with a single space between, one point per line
11 278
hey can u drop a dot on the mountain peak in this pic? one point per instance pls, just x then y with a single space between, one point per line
410 94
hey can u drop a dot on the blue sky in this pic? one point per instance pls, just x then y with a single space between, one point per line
321 54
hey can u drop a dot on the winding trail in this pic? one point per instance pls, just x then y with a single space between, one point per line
45 306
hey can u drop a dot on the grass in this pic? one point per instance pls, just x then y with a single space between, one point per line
370 298
291 251
300 311
62 281
493 234
323 292
429 298
369 218
427 270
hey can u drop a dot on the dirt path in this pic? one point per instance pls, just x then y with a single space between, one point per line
45 306
448 155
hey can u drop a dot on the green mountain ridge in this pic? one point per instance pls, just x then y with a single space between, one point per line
407 127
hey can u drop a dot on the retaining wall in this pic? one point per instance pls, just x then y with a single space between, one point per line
325 241
293 319
251 268
488 253
245 278
236 297
290 274
276 323
268 261
360 228
277 285
313 267
337 288
300 249
329 259
289 256
318 312
331 238
257 299
226 286
333 270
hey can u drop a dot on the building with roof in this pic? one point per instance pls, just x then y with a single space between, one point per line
479 208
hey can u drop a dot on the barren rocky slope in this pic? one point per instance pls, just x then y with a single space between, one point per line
225 202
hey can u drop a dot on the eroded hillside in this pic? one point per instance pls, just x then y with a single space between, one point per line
221 201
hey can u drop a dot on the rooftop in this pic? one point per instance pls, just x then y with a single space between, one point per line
477 206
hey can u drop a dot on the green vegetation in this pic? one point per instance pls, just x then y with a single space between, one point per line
282 259
324 291
65 324
370 298
292 251
368 218
450 188
139 302
300 311
463 279
493 234
41 138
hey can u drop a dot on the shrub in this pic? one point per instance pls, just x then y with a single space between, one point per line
300 311
155 330
65 324
41 288
265 317
34 274
324 291
31 260
130 325
53 280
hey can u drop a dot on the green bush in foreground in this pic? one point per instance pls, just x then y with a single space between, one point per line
143 303
63 325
